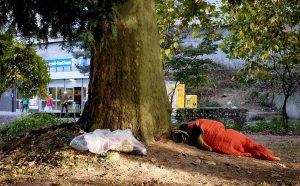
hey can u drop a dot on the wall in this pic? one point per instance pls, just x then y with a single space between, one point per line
52 51
6 101
293 104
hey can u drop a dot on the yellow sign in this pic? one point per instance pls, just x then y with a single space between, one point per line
191 101
180 95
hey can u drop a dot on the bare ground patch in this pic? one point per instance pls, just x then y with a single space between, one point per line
43 157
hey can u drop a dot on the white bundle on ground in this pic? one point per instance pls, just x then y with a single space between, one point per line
102 140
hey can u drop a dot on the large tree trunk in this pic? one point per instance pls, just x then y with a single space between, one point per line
127 88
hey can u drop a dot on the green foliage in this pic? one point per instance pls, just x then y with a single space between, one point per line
71 19
83 69
266 35
259 31
177 20
240 78
234 126
187 67
27 123
273 127
177 17
20 65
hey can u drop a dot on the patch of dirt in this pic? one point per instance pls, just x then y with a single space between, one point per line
237 97
43 157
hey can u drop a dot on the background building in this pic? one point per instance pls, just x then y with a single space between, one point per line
65 77
64 74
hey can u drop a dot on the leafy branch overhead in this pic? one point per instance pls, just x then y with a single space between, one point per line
189 66
176 18
70 19
266 35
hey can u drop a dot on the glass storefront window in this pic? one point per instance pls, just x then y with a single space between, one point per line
58 107
53 92
70 93
84 93
60 92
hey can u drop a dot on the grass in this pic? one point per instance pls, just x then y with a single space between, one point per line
275 126
27 123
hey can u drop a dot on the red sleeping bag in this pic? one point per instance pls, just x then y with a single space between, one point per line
229 141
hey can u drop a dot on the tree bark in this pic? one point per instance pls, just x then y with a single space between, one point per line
127 88
284 113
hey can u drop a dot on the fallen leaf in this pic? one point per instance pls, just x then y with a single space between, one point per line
209 162
153 160
275 175
31 164
282 165
197 162
264 184
183 154
102 175
161 166
90 169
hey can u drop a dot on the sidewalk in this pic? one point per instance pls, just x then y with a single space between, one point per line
8 117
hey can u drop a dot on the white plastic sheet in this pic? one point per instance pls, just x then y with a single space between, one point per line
103 140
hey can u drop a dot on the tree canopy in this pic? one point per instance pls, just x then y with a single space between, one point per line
186 65
20 65
69 19
263 30
266 35
184 17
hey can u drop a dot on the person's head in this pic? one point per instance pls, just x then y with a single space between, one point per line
193 133
184 127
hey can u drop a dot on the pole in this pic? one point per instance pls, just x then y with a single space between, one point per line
14 98
81 95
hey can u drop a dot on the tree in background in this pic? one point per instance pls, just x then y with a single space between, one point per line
187 66
178 18
21 66
266 35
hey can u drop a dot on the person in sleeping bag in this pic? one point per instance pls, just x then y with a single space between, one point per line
212 135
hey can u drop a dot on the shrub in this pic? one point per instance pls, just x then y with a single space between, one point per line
236 126
295 126
274 126
27 123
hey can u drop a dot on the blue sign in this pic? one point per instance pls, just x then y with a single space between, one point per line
67 62
84 61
